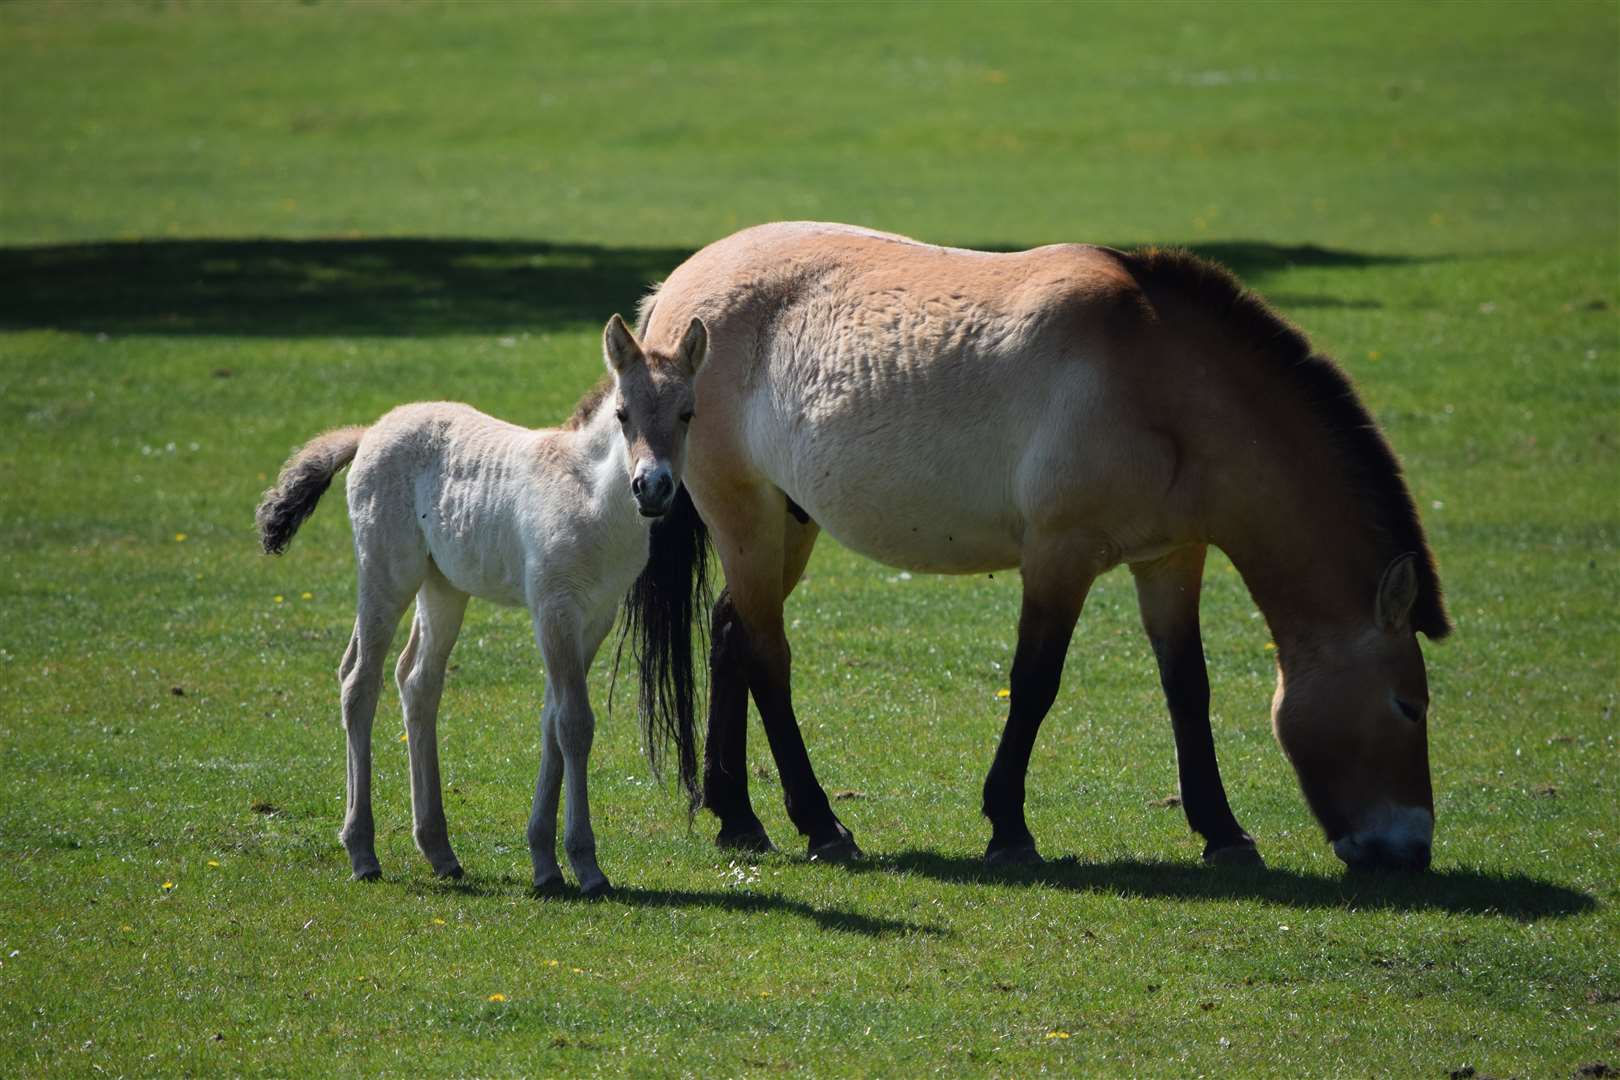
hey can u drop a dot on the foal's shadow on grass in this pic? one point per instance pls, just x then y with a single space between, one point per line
739 902
1462 892
413 287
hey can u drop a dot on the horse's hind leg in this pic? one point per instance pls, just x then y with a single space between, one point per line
725 760
420 674
755 570
1057 576
1167 593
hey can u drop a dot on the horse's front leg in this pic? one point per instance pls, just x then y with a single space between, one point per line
1167 593
567 644
1056 581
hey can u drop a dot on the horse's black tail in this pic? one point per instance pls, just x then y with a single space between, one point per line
303 480
671 594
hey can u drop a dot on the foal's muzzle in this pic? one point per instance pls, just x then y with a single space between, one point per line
654 490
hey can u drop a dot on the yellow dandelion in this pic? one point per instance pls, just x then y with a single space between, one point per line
1004 694
213 862
437 921
497 997
1373 355
764 993
179 538
1057 1034
577 971
168 886
307 596
126 929
279 598
404 738
1271 646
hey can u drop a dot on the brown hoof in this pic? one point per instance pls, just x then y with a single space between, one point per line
1023 854
842 849
1234 855
753 839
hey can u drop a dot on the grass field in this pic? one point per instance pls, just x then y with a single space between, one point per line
226 227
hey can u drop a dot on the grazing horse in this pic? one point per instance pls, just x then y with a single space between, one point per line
1061 410
448 503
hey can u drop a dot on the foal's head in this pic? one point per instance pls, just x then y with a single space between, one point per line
652 397
1353 719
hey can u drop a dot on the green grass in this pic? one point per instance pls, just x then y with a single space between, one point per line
223 228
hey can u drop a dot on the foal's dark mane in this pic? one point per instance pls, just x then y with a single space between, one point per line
589 404
1373 467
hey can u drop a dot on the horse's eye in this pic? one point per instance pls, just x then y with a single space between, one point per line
686 417
1410 711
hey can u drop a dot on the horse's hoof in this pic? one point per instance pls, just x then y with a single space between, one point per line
1020 854
1238 854
752 839
596 890
454 873
551 886
841 849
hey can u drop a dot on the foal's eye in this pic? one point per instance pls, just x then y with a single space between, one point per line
1410 711
623 415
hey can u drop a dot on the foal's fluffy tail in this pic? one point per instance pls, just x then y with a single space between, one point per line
303 480
671 592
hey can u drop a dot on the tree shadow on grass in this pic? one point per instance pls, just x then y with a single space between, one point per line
740 902
1458 891
417 287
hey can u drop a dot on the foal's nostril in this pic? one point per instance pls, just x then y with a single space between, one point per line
636 485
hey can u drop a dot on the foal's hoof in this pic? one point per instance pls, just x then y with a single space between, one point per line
1022 853
367 873
596 890
753 838
840 849
453 873
1238 854
551 886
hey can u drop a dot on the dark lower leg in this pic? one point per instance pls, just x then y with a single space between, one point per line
1203 796
725 758
1043 639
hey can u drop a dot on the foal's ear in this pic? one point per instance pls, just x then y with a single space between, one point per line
1397 592
619 346
694 347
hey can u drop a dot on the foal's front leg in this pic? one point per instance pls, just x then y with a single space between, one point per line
567 646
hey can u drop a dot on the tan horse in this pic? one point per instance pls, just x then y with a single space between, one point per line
1061 410
449 503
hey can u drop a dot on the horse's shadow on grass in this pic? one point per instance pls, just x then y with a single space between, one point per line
739 902
1458 891
412 286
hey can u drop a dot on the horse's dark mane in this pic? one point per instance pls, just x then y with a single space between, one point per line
1372 464
589 404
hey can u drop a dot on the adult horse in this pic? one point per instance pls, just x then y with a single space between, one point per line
1061 410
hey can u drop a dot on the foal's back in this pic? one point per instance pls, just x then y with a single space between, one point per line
463 488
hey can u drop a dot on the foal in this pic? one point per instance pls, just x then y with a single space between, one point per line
448 503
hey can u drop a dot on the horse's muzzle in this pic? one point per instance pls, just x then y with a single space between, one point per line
1403 841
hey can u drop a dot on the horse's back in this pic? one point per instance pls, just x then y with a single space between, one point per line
928 406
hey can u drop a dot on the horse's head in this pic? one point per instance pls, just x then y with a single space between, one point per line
1352 716
652 398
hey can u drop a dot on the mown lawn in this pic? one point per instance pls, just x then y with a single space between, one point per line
226 227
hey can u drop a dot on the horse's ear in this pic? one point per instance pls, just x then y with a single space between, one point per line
1397 592
694 347
619 346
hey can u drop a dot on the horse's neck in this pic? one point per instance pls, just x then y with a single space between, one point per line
1286 514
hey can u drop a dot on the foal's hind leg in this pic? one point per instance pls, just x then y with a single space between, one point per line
420 673
361 677
725 759
1167 593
